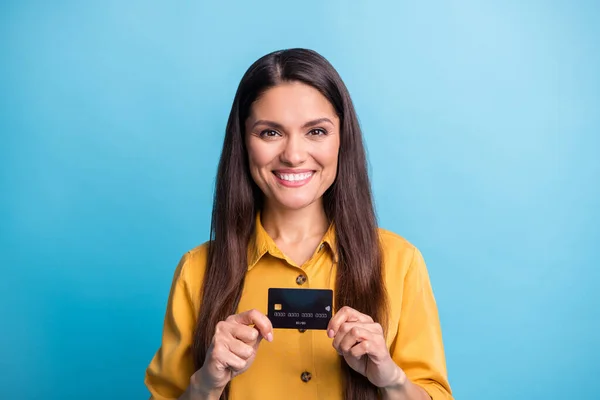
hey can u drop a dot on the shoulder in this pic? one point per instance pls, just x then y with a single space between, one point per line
197 256
392 239
191 267
392 243
397 252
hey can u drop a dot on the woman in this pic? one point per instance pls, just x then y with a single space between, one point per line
293 208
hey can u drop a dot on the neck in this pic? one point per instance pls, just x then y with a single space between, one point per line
294 226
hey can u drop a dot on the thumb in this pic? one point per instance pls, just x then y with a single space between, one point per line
257 342
259 320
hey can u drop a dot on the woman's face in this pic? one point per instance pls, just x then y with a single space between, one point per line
293 140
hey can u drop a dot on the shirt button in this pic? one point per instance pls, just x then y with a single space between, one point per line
301 279
301 330
321 246
306 376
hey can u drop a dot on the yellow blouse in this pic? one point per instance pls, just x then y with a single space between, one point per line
414 336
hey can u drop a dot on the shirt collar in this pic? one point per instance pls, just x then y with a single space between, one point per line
261 243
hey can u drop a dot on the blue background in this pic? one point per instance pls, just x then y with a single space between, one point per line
482 124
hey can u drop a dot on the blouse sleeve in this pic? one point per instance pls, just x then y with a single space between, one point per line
169 372
418 347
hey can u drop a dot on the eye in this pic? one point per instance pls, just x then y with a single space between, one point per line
317 132
269 133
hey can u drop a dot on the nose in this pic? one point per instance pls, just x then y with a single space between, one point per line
294 153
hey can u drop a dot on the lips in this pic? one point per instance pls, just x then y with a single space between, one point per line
293 178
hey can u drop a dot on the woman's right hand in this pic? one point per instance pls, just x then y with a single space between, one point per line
232 351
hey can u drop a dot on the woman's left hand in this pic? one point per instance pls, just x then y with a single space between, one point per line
361 342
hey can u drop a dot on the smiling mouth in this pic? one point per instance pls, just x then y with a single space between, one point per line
298 177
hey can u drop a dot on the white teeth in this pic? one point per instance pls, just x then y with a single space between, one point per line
295 177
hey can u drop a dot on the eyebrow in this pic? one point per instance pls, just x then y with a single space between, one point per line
276 125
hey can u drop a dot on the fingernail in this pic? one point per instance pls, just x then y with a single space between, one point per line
330 333
270 336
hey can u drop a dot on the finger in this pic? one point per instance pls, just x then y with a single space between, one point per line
245 333
345 314
347 326
355 335
226 359
235 363
368 344
360 350
241 349
374 348
256 318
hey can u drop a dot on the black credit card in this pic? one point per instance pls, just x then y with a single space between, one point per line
300 308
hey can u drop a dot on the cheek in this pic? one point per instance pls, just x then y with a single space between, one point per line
258 157
328 157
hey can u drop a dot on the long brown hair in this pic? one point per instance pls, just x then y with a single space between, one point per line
348 203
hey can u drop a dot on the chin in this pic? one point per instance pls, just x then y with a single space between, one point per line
295 203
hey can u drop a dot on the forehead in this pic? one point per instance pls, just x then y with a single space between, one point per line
292 103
